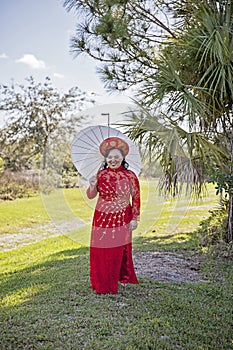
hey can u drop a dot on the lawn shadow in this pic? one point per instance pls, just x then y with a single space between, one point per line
169 242
59 268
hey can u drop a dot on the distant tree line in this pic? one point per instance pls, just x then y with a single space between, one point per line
37 116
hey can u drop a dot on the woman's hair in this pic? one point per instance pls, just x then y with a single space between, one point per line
123 163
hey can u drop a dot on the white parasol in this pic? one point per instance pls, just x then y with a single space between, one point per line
87 157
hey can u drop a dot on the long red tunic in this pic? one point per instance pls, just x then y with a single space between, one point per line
111 239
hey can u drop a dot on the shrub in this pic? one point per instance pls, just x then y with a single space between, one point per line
69 178
18 184
214 228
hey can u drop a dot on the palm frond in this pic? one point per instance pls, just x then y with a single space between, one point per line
185 157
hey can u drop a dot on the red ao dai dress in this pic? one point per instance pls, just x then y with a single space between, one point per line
111 238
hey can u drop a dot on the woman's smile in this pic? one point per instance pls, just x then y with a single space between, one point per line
114 159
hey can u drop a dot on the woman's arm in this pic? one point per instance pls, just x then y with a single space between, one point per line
135 193
92 189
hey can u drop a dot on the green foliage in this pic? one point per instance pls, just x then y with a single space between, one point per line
112 27
35 111
194 72
121 34
210 41
223 181
19 156
17 185
184 157
213 230
69 178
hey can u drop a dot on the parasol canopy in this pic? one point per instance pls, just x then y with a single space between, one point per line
86 155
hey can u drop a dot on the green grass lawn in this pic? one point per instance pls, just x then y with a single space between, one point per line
21 213
69 212
47 302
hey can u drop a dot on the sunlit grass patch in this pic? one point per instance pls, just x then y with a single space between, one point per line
21 213
21 296
169 215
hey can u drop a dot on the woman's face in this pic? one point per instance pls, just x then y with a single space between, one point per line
114 159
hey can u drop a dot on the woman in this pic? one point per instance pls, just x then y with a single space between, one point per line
116 214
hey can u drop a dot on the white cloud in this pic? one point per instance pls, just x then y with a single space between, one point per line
3 55
32 61
58 75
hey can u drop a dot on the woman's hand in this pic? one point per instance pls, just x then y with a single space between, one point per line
133 225
93 181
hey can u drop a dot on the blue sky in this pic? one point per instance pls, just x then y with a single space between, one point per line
35 40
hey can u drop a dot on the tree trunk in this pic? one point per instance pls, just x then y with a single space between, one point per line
45 153
230 221
230 211
44 158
